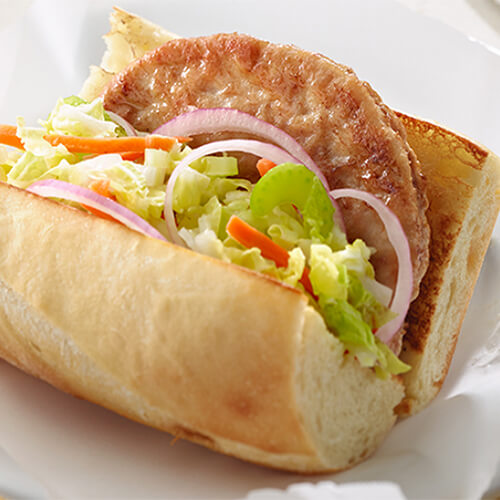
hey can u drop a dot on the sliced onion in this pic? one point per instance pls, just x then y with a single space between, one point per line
202 121
129 129
404 285
262 149
52 188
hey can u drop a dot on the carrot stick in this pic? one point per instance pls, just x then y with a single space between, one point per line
249 237
8 136
104 145
264 165
100 145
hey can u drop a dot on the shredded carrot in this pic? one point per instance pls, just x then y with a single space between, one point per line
8 136
101 187
182 139
100 145
98 213
264 165
250 237
104 145
306 282
132 155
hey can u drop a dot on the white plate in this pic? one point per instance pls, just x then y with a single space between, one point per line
419 66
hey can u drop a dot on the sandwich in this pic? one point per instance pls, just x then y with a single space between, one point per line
237 242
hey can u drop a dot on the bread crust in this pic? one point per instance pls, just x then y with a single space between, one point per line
171 338
163 362
463 185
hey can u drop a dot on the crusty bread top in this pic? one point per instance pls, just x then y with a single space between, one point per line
456 169
173 366
186 343
130 37
463 180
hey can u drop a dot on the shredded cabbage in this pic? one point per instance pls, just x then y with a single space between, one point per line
338 270
219 166
8 159
295 269
74 116
206 195
38 158
156 167
348 324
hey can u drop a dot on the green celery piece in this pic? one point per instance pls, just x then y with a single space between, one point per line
297 185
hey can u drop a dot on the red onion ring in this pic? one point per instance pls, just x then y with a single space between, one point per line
404 285
269 151
129 129
211 120
52 188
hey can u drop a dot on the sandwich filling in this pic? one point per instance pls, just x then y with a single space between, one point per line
286 225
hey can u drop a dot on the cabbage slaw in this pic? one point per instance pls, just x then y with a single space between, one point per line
206 194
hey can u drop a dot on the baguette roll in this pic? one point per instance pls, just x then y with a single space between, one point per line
203 349
217 354
463 186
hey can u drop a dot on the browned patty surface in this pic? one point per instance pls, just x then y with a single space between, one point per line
341 122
